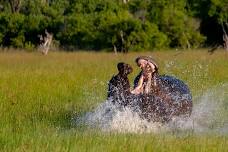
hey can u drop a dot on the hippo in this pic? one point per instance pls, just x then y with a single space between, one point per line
162 97
170 97
119 86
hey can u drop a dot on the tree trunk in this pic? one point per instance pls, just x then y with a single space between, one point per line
187 41
45 42
124 48
225 36
125 1
15 5
114 49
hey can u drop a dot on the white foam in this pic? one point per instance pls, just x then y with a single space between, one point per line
208 115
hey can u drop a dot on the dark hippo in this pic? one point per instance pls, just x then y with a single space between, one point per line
169 98
119 86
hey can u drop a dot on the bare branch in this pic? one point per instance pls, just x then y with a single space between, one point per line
225 37
125 1
115 49
15 5
45 42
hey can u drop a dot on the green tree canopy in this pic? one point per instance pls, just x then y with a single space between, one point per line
112 25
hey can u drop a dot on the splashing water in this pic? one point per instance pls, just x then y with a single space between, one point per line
110 117
209 115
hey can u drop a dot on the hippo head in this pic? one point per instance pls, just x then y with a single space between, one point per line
124 68
148 59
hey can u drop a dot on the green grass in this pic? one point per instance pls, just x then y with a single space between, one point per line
40 94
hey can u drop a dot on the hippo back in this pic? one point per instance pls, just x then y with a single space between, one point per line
171 98
175 86
175 96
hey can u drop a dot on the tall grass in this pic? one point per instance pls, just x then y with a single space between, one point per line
39 95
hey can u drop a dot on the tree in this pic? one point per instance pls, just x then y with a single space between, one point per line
214 15
219 10
113 25
12 30
173 20
15 5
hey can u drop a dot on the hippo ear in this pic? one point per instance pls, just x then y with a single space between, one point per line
120 66
130 69
156 67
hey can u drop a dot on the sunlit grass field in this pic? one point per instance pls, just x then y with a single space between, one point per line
39 96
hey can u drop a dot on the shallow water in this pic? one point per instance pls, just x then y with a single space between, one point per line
209 115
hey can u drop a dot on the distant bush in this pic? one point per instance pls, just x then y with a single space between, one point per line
113 25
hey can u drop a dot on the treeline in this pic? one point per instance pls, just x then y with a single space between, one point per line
119 25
